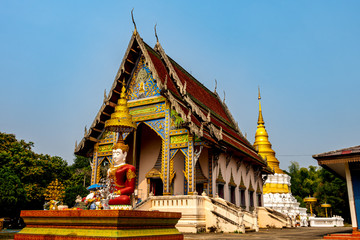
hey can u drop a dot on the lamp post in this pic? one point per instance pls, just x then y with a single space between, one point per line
310 200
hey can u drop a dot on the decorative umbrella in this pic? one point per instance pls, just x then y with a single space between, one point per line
94 187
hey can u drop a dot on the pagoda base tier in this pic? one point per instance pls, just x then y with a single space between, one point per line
99 224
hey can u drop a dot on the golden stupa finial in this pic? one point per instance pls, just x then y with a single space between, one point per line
262 142
132 17
260 119
121 119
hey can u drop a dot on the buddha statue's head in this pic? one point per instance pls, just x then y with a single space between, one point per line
119 152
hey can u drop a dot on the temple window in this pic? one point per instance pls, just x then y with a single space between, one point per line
220 184
156 186
232 186
232 194
251 191
220 190
258 196
199 188
242 198
242 189
104 166
251 198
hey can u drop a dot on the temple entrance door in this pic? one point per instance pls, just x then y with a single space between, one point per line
199 188
156 186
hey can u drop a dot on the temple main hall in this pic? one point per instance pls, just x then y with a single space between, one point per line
186 142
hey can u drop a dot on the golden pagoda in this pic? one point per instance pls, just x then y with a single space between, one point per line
263 146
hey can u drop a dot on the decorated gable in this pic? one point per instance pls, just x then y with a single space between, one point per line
142 84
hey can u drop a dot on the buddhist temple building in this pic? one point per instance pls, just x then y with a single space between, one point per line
277 187
186 142
346 164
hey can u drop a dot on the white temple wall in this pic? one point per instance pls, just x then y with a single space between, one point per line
179 174
150 147
204 163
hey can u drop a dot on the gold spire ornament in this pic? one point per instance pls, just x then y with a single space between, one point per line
262 143
121 120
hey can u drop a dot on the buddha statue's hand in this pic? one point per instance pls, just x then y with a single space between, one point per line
111 172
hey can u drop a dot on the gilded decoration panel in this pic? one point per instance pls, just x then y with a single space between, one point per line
142 84
105 148
106 143
146 112
184 151
173 152
158 125
179 131
179 141
145 101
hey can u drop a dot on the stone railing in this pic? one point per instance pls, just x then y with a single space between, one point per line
335 221
251 221
201 213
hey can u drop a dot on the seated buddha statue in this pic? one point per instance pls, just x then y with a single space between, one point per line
122 174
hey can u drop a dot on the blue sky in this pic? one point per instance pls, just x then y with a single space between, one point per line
57 57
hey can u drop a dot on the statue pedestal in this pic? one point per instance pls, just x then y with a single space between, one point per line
99 224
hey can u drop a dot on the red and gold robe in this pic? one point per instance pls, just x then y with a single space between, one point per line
124 180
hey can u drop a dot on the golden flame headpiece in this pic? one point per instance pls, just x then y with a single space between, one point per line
120 144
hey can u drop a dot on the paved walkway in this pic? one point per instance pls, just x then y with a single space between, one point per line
263 234
276 234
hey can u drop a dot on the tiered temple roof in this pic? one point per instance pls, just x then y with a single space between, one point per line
202 110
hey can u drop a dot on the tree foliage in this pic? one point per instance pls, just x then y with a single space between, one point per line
25 175
322 184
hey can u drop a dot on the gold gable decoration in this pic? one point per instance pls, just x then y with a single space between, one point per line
242 185
220 178
251 188
200 177
258 189
232 182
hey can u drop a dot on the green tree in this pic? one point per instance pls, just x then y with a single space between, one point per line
322 184
12 193
79 180
35 171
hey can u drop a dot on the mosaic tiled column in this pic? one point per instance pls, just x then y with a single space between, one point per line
190 168
94 165
210 160
166 153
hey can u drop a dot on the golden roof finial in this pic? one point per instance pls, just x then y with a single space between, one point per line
157 39
132 17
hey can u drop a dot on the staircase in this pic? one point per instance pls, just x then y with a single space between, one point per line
203 214
269 218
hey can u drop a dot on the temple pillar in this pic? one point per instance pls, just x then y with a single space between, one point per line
210 160
165 166
349 184
94 165
190 166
